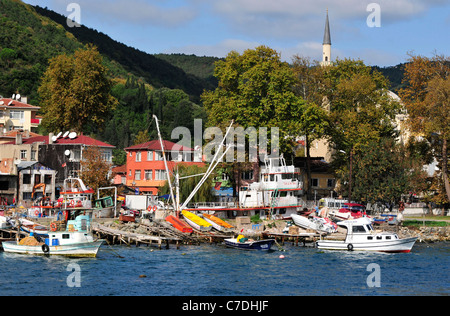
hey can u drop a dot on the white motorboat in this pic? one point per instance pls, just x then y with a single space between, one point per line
315 223
362 237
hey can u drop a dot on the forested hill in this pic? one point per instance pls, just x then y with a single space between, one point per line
155 71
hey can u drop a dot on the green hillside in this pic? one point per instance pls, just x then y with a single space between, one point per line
155 71
27 41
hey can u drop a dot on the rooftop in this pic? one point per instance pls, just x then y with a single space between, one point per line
156 146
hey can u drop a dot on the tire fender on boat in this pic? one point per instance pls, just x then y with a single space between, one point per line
350 247
45 249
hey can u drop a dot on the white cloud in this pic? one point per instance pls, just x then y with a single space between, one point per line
140 12
285 18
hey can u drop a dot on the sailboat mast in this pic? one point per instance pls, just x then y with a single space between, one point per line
175 206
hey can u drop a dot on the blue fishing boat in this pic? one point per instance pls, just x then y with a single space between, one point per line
249 244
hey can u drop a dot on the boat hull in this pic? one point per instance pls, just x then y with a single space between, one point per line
217 223
399 245
79 250
264 244
196 222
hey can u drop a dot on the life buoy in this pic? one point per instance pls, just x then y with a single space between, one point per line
155 208
79 204
149 208
45 248
72 203
36 213
350 247
53 227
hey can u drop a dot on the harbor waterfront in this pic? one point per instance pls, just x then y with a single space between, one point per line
214 270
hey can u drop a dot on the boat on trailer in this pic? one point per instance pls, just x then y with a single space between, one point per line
362 237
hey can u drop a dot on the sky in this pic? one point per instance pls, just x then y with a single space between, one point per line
379 32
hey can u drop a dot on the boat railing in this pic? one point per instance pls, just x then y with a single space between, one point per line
213 205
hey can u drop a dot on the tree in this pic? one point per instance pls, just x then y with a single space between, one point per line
94 169
427 99
255 90
311 120
361 113
75 91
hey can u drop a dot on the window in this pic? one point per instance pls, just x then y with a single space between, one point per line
26 178
66 236
23 154
48 179
388 237
359 229
247 175
158 156
160 175
75 155
148 174
330 183
314 182
137 175
138 156
16 115
369 237
33 155
149 155
106 156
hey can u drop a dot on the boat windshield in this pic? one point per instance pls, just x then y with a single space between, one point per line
369 227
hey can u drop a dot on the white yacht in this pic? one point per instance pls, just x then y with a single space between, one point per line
362 237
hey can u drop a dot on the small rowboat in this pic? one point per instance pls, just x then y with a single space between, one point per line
31 227
178 224
196 221
217 223
264 244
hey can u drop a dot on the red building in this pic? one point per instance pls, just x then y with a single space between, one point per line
145 164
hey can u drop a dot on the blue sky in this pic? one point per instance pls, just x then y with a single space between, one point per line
292 27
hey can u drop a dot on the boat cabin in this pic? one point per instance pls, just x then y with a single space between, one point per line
77 230
361 229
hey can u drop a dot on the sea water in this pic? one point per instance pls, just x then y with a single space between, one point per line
214 270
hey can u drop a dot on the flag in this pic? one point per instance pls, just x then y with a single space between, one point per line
217 186
64 165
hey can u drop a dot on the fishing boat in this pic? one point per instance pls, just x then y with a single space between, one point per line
264 244
315 223
75 241
217 223
179 224
362 237
195 221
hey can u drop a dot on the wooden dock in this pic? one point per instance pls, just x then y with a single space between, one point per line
114 236
295 238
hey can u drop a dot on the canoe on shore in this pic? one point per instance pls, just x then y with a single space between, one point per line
196 222
179 224
218 223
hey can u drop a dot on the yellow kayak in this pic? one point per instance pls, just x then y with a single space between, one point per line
196 221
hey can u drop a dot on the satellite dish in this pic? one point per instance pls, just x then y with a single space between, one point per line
67 152
10 102
17 161
66 134
54 138
18 97
13 96
2 102
59 134
72 135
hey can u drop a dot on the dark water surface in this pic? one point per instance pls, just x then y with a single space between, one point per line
213 270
